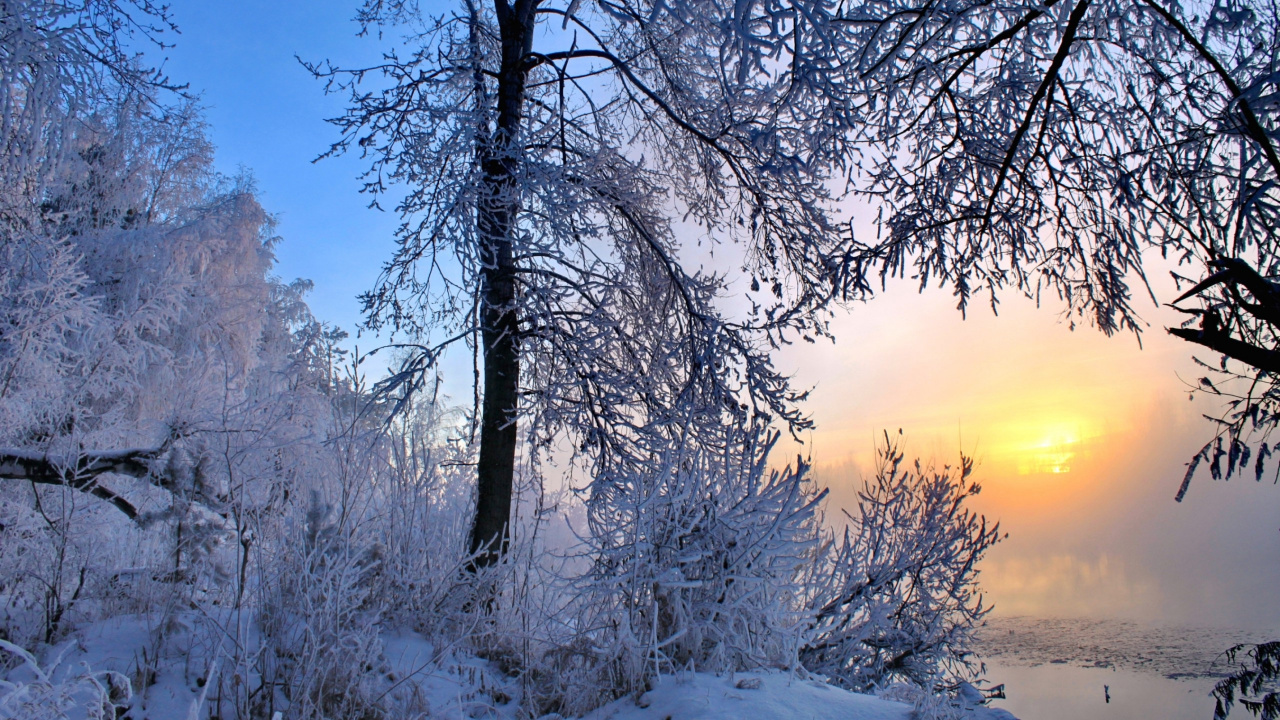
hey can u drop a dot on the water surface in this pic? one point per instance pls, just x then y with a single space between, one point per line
1065 669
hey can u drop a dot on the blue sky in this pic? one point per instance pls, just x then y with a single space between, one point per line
267 115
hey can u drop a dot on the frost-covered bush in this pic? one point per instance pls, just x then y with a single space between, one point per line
419 513
52 691
321 617
141 337
702 557
372 540
693 551
897 596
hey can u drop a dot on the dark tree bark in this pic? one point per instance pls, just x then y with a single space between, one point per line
1239 316
500 331
1219 341
82 473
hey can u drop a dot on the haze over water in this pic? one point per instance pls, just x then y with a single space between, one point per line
1080 440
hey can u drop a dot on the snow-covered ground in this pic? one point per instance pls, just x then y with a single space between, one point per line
765 696
110 660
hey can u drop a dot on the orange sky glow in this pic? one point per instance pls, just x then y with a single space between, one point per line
1080 442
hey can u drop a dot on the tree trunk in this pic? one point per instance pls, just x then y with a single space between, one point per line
499 319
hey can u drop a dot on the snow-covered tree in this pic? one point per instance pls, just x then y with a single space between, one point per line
59 61
1044 148
557 160
73 102
141 334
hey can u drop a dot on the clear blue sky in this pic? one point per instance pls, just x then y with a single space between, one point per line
267 115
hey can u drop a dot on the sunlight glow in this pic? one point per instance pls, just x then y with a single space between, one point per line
1052 453
1045 445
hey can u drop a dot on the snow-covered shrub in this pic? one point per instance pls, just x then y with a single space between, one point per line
694 554
52 691
422 495
699 556
897 596
320 620
372 540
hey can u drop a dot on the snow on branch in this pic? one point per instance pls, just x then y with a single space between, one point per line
81 472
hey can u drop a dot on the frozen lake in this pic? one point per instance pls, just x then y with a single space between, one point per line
1060 669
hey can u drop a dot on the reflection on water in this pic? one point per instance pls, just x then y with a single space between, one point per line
1064 669
1067 692
1069 584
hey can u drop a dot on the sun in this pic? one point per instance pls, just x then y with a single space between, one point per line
1050 449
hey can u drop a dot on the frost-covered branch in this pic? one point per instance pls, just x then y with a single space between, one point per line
81 472
897 596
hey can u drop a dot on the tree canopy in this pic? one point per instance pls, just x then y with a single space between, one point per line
1054 149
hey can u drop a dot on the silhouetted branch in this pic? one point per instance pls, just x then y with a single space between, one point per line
1260 358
